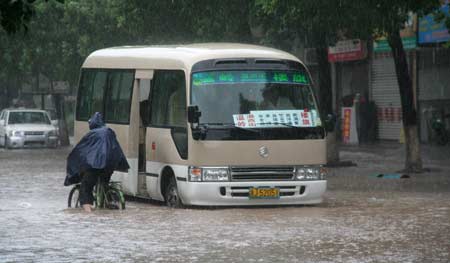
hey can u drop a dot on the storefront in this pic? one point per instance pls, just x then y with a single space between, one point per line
350 68
384 87
434 74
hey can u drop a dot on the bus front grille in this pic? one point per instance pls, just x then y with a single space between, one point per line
282 173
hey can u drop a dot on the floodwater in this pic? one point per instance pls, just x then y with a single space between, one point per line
379 220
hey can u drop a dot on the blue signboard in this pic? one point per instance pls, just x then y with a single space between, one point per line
432 32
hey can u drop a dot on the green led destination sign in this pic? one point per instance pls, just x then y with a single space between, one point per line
224 77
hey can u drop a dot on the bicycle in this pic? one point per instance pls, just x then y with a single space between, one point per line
106 195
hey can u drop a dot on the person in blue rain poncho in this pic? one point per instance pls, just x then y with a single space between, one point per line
97 154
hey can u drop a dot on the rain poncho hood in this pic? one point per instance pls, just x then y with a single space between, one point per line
98 149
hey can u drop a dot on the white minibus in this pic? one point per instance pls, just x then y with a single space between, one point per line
215 124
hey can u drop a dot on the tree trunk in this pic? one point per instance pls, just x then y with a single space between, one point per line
325 91
326 101
60 113
413 161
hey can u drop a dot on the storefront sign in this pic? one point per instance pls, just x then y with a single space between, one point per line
432 32
347 50
349 132
382 45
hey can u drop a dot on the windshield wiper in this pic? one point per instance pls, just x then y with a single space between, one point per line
278 123
229 124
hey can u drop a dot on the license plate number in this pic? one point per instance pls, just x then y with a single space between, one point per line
264 193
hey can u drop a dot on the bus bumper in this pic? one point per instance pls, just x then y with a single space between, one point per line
236 193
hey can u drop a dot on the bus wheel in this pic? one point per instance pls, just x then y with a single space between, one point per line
171 195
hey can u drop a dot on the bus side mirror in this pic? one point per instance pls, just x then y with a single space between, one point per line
330 123
194 119
194 114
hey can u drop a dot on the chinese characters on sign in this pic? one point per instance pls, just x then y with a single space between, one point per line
277 118
349 131
222 77
346 125
389 114
432 32
347 50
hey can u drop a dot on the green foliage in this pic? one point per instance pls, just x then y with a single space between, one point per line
15 14
388 16
319 22
61 34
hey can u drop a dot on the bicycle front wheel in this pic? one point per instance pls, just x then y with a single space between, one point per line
115 199
74 197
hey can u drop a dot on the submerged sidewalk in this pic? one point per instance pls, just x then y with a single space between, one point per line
388 158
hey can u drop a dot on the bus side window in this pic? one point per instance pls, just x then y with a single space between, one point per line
168 106
118 96
84 103
98 92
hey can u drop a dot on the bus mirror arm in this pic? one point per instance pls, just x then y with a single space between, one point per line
199 132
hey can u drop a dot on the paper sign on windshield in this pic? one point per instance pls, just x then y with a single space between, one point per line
277 118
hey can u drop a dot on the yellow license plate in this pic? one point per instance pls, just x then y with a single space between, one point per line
264 193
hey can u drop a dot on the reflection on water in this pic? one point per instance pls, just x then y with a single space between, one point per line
350 226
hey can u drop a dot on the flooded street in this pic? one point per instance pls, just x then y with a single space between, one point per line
363 219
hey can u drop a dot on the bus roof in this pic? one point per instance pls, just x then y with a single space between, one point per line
177 56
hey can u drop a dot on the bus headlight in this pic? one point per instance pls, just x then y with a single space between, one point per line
213 174
310 173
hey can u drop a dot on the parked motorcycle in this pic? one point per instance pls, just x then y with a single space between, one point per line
442 135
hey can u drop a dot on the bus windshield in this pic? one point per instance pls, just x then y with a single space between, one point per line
255 99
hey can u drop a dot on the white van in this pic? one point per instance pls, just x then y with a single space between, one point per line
209 124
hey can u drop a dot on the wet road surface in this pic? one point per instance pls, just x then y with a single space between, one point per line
363 219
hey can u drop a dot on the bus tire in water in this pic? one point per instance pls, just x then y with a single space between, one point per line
74 197
171 194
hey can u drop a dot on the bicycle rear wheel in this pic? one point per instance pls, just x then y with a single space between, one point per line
74 197
114 199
